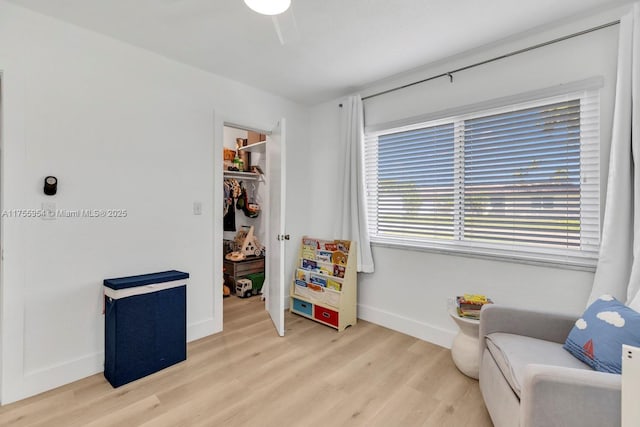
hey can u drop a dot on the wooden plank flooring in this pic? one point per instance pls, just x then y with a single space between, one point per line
248 376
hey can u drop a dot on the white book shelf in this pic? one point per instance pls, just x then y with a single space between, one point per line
324 287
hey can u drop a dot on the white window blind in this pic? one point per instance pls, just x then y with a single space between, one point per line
416 193
519 181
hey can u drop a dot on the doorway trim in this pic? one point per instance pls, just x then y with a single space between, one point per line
218 235
2 224
247 128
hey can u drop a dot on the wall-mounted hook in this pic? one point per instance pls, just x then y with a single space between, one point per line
50 185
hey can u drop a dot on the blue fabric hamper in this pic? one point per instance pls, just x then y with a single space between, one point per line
145 324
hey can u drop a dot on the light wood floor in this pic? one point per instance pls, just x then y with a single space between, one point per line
248 376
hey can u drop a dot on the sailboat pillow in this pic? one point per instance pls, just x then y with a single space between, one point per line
597 337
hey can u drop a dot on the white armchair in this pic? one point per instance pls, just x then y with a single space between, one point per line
527 379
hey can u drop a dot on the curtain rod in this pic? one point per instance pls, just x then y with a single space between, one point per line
506 55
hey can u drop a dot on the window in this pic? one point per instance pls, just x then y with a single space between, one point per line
520 181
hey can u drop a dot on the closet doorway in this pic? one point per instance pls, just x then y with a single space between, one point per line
2 324
253 220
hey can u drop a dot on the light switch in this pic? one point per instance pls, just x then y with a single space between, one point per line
197 208
48 210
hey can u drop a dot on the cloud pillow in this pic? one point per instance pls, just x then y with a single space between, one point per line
597 337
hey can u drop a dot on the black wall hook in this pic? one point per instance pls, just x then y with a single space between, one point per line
50 185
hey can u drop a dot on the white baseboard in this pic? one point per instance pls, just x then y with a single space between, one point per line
40 380
43 379
415 328
202 329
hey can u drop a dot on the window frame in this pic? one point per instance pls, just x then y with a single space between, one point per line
580 259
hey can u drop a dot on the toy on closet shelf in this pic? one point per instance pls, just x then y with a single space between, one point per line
250 285
235 256
247 243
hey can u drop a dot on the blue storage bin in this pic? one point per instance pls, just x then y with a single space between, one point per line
145 325
302 307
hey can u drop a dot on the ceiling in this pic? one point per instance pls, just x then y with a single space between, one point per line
332 47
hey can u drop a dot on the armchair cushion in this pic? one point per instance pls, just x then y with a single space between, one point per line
597 337
553 396
513 353
535 324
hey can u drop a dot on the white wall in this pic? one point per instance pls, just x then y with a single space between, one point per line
409 289
121 128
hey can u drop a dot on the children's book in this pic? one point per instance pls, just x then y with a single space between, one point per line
313 287
319 280
333 284
339 258
302 275
330 246
314 243
327 270
343 245
308 252
308 264
338 270
324 256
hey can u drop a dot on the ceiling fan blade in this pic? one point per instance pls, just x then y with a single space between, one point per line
286 27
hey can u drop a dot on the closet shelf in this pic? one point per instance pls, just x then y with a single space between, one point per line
250 176
258 147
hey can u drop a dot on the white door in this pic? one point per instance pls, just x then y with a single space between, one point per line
275 240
